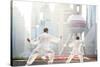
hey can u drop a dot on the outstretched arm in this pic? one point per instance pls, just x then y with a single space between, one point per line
55 39
83 43
28 40
33 42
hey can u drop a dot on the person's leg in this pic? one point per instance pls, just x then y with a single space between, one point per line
32 59
70 58
44 57
81 58
51 58
86 58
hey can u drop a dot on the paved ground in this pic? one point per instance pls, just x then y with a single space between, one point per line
56 61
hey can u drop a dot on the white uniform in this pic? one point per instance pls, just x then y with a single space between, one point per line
44 43
77 49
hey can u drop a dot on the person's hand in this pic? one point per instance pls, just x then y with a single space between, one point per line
28 39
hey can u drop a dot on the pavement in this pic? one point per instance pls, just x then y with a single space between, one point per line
59 60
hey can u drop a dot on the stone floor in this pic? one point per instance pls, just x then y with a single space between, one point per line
56 61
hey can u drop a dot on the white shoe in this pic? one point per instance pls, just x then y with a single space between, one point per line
44 58
27 64
50 62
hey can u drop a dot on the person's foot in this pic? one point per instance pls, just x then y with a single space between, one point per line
44 58
27 64
86 58
81 61
50 62
67 62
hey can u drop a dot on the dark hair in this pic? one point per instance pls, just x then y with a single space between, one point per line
45 30
77 38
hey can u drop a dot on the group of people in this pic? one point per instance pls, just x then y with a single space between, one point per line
43 49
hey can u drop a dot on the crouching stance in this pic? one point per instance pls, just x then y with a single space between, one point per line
77 49
43 48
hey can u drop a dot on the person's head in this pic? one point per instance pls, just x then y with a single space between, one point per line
45 30
77 38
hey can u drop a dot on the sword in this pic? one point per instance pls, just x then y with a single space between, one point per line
69 37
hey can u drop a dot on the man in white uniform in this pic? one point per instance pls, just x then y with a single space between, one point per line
77 49
43 48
